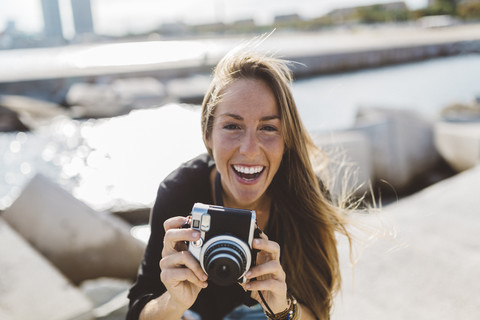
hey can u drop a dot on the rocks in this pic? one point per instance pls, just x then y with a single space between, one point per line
457 135
349 162
458 112
388 146
9 121
82 243
93 249
109 297
402 144
459 143
424 262
143 92
115 98
94 101
31 287
24 113
189 89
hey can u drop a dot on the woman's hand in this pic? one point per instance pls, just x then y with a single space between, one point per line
270 275
181 273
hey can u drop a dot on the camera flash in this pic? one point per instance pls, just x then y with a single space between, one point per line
205 224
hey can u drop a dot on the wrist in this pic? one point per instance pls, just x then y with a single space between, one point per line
174 304
291 312
163 307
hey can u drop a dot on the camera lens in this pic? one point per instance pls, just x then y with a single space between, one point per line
225 262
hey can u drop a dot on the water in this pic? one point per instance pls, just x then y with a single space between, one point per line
105 163
110 162
331 102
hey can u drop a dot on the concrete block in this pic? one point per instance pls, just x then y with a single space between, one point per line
95 100
402 144
31 287
109 297
349 161
82 243
424 262
459 143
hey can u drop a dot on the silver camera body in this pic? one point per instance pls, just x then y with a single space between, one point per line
224 249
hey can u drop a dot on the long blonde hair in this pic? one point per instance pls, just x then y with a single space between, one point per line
302 216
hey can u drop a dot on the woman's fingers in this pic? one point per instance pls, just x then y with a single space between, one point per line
271 285
267 246
182 261
273 268
178 275
174 235
174 223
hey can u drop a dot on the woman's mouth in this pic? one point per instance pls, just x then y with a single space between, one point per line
248 173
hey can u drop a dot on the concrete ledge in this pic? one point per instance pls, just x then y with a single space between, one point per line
458 143
31 288
430 269
402 144
82 243
349 162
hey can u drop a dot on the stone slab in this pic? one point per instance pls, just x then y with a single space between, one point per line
402 144
458 143
31 287
81 242
425 261
350 168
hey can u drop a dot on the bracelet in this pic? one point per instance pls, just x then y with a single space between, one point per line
291 313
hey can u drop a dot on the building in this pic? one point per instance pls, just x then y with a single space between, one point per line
354 14
287 18
82 17
52 22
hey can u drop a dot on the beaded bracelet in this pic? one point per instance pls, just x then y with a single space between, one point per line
288 314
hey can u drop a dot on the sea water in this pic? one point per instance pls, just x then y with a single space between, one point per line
331 102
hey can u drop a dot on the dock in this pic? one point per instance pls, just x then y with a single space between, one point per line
317 52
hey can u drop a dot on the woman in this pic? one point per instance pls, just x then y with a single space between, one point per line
260 152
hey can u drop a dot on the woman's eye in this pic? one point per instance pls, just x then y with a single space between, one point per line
269 128
231 126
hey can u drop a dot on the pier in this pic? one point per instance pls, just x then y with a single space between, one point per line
317 52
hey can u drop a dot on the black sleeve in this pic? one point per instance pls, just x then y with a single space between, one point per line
176 196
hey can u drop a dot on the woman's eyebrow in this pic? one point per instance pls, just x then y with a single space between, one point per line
272 117
231 115
238 117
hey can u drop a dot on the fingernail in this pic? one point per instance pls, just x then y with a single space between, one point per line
248 286
204 277
196 234
248 274
256 242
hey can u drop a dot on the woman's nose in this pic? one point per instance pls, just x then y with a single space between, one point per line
249 145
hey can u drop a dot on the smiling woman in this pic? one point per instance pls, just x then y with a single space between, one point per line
247 143
259 158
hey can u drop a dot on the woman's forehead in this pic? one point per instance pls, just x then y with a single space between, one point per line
246 97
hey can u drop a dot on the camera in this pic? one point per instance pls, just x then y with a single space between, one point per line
224 249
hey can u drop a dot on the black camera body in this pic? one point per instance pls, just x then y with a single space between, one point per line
224 249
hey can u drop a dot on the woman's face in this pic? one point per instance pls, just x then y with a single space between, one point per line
246 142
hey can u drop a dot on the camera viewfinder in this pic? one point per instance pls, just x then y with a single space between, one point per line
205 225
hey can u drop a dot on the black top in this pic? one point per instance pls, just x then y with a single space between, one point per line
177 194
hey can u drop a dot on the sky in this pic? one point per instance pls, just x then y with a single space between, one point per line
117 17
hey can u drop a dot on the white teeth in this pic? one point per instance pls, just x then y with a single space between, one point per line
248 170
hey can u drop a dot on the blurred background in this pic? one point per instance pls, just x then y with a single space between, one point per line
100 100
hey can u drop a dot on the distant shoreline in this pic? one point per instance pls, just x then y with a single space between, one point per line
319 52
